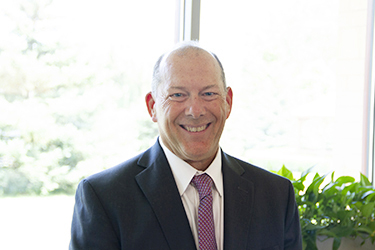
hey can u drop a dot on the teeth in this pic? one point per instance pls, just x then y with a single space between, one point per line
196 129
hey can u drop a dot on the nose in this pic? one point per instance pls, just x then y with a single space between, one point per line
195 107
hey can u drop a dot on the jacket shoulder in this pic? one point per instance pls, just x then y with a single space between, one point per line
125 172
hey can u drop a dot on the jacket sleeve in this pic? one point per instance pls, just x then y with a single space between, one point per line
91 227
293 238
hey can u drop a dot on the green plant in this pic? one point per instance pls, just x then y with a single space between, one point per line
337 208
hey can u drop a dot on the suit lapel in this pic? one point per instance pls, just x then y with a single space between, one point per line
238 204
158 185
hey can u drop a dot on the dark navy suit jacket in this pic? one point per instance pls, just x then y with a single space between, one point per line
136 205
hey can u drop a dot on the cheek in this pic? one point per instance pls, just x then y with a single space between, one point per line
222 110
171 110
164 113
225 108
165 105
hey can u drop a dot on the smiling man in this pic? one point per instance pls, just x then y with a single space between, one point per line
184 192
190 105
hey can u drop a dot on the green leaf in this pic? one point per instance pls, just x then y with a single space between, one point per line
372 226
286 173
309 245
345 179
312 227
336 243
305 174
328 233
309 240
314 187
364 229
370 193
365 181
358 204
342 231
354 187
330 188
298 185
367 209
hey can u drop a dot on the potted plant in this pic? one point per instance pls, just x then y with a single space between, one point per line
340 208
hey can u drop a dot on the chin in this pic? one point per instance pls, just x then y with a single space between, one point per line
199 155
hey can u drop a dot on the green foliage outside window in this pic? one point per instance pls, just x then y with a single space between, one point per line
64 112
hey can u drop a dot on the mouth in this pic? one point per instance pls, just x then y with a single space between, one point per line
195 129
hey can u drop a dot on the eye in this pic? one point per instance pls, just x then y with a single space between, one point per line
209 95
177 96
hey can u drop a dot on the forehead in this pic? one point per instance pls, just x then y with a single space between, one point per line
191 66
190 54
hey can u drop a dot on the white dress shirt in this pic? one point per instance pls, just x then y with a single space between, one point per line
183 173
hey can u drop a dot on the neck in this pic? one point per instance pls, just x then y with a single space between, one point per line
201 165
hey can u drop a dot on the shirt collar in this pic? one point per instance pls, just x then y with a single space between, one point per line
183 172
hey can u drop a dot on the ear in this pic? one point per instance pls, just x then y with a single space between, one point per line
229 99
150 102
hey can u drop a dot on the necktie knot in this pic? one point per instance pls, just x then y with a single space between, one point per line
203 183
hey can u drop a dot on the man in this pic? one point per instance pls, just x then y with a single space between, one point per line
154 201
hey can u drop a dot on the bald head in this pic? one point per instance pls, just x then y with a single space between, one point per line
181 50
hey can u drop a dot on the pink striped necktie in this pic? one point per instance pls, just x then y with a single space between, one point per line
206 227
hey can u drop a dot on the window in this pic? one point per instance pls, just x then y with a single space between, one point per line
73 75
297 72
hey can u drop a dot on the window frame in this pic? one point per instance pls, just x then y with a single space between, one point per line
187 28
368 158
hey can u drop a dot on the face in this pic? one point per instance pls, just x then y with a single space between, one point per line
191 106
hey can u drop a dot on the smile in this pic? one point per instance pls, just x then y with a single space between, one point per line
195 129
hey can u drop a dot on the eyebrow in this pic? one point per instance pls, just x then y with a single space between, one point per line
205 88
211 86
